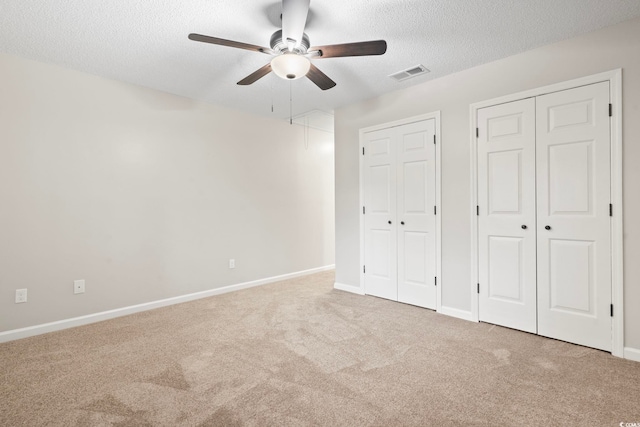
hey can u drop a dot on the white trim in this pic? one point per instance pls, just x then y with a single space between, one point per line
473 168
433 115
632 354
361 204
30 331
455 312
401 122
348 288
556 87
614 78
617 268
439 213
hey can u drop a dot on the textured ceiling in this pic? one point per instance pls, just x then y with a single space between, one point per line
145 42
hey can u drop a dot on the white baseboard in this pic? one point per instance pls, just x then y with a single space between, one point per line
632 354
30 331
454 312
348 288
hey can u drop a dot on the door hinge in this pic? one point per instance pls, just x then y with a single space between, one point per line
611 310
435 210
364 268
477 132
436 281
434 139
363 210
610 110
478 287
477 210
363 151
610 209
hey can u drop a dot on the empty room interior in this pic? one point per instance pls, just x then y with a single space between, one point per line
296 213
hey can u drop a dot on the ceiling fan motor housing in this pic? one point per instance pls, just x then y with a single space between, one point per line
279 45
290 56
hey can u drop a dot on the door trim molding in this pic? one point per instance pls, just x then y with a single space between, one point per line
433 115
614 77
632 354
348 288
457 313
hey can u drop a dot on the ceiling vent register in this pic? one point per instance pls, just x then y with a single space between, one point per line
418 70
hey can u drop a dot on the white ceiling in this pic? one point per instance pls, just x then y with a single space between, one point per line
145 42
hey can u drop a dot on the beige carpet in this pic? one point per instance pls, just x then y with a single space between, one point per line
300 353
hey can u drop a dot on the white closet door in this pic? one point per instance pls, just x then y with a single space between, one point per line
507 223
416 218
380 216
574 248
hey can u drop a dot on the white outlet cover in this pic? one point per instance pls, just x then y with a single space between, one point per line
78 286
21 296
232 263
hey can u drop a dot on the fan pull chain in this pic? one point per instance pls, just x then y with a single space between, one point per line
306 132
290 102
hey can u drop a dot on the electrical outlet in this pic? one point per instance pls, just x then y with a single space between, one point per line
78 286
232 263
21 296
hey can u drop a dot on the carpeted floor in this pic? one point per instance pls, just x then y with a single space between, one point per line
299 353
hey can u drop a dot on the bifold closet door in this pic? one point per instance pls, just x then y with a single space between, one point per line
399 219
416 175
380 217
574 246
507 215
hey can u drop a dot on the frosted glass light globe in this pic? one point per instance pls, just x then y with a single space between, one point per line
290 66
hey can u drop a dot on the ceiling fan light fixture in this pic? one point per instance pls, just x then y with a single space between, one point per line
290 66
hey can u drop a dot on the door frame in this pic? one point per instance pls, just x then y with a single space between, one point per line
614 77
433 115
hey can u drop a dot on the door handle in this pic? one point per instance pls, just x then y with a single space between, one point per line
389 222
524 227
402 222
547 227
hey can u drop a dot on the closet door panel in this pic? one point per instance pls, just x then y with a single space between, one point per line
416 217
574 247
380 228
506 222
506 269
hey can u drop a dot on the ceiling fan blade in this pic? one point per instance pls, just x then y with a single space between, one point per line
319 78
375 47
294 18
256 75
230 43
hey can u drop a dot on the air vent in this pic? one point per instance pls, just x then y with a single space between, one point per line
409 73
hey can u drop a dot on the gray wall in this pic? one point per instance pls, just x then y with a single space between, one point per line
610 48
146 195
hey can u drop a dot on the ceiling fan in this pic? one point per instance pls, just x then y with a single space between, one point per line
291 51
